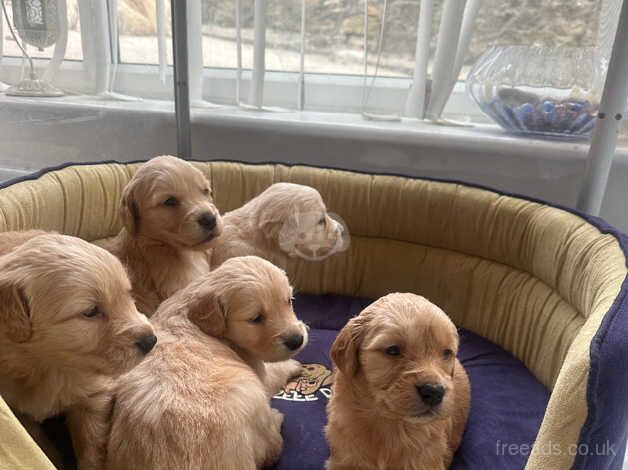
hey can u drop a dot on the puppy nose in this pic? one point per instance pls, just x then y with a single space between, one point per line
207 221
146 343
294 342
431 394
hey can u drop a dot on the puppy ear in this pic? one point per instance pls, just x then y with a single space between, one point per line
277 220
15 320
129 210
208 313
269 228
288 232
346 348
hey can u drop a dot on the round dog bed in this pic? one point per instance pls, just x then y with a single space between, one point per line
539 294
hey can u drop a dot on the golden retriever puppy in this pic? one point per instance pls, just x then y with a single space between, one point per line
9 241
401 397
199 400
68 324
286 220
169 221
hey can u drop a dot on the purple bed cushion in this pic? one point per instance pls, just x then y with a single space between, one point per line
507 402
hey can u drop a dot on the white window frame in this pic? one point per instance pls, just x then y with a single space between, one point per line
327 93
333 93
323 92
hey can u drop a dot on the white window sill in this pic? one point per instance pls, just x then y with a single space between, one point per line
487 138
471 137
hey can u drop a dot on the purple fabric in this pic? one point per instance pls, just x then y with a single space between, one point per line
507 402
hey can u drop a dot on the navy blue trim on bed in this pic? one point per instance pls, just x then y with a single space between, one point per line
602 442
605 431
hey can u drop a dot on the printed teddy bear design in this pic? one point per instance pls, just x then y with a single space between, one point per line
315 380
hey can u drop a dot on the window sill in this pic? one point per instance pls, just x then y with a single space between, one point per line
463 137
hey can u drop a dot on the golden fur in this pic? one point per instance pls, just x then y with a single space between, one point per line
163 245
285 220
201 400
53 358
376 416
9 241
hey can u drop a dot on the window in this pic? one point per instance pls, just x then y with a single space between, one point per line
334 32
333 45
137 30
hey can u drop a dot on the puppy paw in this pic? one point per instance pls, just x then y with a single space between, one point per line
279 373
293 368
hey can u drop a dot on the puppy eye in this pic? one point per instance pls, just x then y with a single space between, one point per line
171 202
322 221
393 350
208 192
258 319
448 354
91 313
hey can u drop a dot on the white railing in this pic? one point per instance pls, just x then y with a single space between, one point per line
455 33
105 77
62 41
96 45
454 36
415 103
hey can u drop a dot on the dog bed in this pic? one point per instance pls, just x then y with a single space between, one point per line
539 293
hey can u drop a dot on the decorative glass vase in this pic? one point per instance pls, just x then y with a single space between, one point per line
538 90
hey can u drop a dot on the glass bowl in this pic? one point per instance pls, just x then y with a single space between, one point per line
539 90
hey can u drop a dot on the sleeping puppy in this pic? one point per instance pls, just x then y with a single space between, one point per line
201 400
401 397
169 221
286 220
68 324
